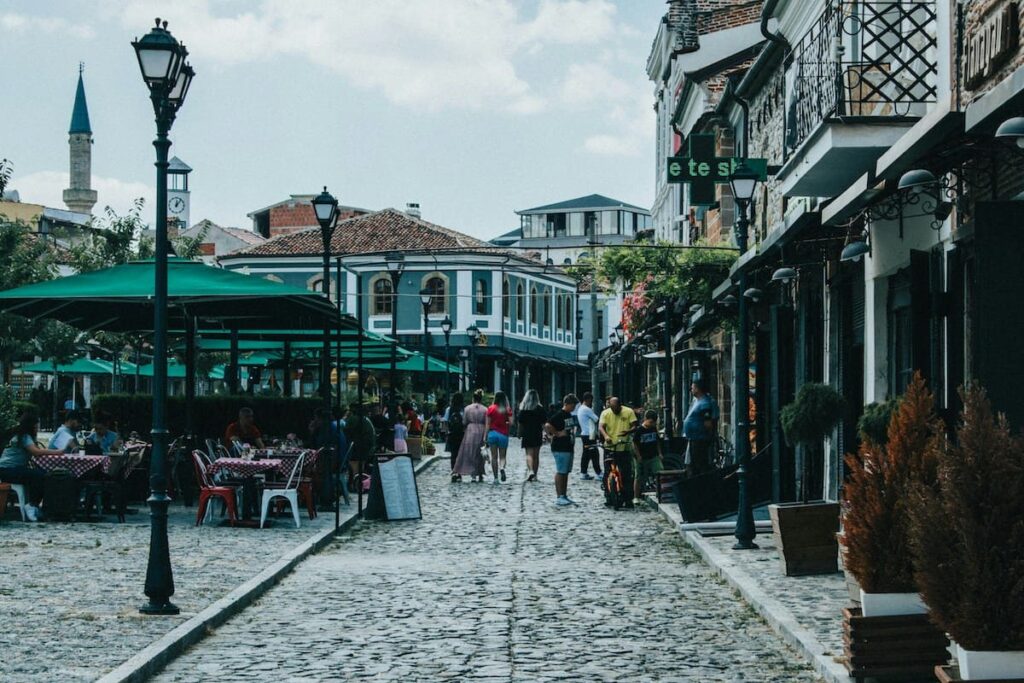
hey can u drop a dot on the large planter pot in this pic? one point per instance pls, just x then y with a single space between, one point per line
891 604
805 534
852 587
987 665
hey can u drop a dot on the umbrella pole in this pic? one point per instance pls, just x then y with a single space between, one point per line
190 377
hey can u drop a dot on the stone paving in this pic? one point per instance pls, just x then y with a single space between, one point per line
69 593
497 584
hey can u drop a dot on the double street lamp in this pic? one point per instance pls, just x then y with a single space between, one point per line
446 327
744 182
395 262
473 332
168 77
325 206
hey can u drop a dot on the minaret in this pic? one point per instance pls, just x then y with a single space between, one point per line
80 196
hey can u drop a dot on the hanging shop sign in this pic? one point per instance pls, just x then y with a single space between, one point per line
990 45
702 170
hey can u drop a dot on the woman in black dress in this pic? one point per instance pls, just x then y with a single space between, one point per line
456 430
531 419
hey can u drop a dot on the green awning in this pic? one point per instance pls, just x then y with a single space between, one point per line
80 366
121 298
414 363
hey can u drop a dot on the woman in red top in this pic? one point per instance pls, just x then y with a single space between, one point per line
499 417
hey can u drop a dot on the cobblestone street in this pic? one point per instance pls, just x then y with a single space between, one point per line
497 584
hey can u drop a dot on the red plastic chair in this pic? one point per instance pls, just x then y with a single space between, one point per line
208 490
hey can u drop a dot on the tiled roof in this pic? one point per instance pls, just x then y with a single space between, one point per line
591 201
247 236
380 231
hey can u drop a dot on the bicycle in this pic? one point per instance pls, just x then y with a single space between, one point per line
614 494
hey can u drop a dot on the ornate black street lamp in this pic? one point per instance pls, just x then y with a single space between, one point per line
395 262
463 367
616 349
473 332
325 206
446 327
425 298
168 77
743 181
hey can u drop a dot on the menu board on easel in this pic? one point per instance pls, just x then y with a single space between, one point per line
398 483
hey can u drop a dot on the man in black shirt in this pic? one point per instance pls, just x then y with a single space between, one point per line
561 426
647 446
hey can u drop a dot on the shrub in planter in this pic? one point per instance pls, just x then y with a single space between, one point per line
805 534
876 525
967 534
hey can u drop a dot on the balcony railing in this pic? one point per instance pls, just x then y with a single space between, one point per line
872 59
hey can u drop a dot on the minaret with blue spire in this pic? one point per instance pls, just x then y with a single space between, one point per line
80 196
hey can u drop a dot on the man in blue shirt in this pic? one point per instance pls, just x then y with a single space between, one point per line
586 418
699 429
66 437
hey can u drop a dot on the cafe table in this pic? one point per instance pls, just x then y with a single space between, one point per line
78 465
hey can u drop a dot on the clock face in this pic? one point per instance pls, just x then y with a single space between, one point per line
176 205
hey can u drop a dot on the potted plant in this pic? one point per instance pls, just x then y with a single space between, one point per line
876 524
967 535
805 532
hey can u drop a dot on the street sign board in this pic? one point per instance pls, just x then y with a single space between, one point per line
702 170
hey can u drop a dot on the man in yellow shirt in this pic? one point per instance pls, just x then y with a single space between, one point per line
616 427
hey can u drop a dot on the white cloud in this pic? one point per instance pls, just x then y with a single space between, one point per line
586 84
10 22
47 187
612 145
429 54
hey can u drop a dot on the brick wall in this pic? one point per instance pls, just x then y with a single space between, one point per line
767 137
291 217
718 15
976 13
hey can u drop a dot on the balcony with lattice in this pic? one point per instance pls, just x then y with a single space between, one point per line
864 73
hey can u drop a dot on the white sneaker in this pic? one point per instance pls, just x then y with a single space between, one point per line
32 513
562 501
639 501
496 482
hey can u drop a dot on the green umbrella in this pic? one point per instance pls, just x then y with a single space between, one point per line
120 298
414 363
79 366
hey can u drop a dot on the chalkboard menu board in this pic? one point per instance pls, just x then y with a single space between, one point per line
398 482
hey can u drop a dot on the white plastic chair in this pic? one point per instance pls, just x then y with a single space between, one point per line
19 490
290 492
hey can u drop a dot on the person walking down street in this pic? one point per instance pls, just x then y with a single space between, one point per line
363 437
499 418
530 422
647 446
401 433
616 427
587 419
470 462
561 426
456 430
699 429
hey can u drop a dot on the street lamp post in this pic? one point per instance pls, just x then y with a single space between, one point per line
473 332
325 206
613 345
446 327
743 182
620 337
168 77
396 265
463 363
425 300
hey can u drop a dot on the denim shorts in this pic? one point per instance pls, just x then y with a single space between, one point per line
563 461
495 438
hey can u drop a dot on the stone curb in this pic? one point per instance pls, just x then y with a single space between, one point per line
778 616
155 656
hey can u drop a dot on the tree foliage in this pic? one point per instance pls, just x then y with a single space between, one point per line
812 414
688 273
967 533
112 240
876 522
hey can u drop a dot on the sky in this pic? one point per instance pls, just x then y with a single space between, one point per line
473 108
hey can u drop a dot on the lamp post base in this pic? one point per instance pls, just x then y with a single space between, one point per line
165 608
745 545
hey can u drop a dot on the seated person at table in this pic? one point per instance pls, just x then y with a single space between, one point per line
14 464
102 439
243 431
65 439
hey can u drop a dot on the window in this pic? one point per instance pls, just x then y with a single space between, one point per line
556 225
590 223
437 285
504 298
559 313
547 309
567 261
315 284
383 295
520 303
535 307
481 297
568 312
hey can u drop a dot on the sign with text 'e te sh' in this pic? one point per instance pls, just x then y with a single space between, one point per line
398 484
702 170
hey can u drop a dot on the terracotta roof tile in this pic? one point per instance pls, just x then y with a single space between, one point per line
380 231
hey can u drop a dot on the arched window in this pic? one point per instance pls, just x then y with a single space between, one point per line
535 306
505 305
383 296
547 307
480 300
520 303
315 284
437 285
559 313
568 312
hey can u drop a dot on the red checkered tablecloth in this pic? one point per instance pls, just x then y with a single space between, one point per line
244 468
78 465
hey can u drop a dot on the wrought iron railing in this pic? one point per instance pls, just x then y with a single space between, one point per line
867 58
